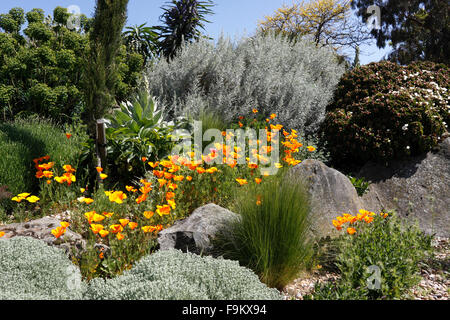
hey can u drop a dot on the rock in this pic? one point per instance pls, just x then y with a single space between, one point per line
41 229
331 193
194 234
417 188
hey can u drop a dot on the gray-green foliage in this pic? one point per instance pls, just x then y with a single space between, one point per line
32 270
174 275
293 80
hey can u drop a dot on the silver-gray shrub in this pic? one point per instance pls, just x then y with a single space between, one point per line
32 270
174 275
294 80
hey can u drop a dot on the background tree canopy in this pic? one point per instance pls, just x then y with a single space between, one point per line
418 30
42 65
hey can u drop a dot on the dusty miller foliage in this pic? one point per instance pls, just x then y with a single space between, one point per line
32 270
174 275
295 80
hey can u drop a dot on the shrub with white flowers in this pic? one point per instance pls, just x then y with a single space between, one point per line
384 111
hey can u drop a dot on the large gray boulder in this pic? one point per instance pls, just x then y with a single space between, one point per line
194 234
331 194
71 242
417 188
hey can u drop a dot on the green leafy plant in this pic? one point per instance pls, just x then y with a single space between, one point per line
143 40
361 185
137 130
270 237
43 65
393 248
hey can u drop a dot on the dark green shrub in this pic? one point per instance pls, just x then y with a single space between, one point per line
271 235
43 67
393 248
384 111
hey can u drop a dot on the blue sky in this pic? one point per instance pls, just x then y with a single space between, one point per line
234 18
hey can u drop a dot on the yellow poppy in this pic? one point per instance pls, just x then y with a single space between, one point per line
65 224
32 199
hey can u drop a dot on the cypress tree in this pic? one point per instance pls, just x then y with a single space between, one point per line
101 68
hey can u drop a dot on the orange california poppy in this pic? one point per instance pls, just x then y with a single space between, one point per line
124 222
58 232
115 228
68 168
163 210
141 198
96 228
132 225
148 214
241 181
120 236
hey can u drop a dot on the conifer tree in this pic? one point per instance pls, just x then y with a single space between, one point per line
101 68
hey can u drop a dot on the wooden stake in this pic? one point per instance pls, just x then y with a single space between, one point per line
101 145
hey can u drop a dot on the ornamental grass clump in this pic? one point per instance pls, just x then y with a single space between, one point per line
174 275
32 270
271 236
